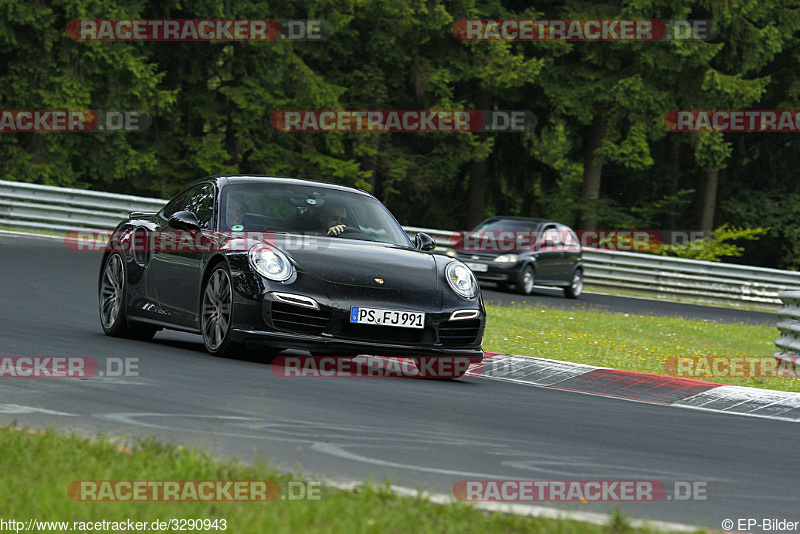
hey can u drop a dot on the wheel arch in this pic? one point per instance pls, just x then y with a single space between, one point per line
212 262
529 261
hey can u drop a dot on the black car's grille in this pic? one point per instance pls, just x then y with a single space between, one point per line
458 333
484 256
298 318
386 334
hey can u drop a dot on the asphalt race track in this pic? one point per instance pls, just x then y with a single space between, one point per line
420 433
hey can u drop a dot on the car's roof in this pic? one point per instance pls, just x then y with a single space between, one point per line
251 179
512 218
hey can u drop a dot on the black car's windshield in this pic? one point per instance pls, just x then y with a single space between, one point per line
308 210
506 224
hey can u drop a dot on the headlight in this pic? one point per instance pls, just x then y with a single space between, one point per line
461 279
270 262
506 258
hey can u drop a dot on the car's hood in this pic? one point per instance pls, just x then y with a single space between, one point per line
363 263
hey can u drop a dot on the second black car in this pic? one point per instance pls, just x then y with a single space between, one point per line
520 253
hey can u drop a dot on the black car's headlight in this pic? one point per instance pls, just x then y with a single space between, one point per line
461 279
270 262
507 258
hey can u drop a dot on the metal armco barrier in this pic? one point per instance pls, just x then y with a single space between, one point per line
679 278
56 209
789 327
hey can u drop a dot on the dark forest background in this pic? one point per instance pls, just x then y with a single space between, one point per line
600 157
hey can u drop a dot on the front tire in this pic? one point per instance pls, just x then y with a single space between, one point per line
216 312
112 290
575 287
525 281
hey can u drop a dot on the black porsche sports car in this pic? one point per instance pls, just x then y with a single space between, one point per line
286 263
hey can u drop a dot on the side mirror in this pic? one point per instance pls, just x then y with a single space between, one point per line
424 242
184 220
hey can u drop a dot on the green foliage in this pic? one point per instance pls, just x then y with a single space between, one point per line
778 211
721 244
711 150
211 105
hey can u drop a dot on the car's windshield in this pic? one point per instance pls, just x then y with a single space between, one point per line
506 224
309 210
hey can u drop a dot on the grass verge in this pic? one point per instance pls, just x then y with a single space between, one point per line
631 342
38 467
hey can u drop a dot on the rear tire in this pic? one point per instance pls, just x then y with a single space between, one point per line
112 291
575 288
525 281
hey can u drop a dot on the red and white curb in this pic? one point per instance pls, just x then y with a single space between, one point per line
640 387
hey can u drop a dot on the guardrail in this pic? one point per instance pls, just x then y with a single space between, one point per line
59 209
789 327
56 209
677 278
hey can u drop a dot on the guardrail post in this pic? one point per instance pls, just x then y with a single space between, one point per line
789 327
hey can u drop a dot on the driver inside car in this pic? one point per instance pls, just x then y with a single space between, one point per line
333 217
327 219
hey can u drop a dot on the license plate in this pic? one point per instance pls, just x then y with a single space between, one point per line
478 267
402 319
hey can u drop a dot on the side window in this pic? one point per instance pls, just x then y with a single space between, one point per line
550 237
568 235
176 204
201 203
199 200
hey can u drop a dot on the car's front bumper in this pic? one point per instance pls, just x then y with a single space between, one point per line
494 271
323 325
324 345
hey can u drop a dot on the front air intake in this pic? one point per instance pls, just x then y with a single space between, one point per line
460 332
293 318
